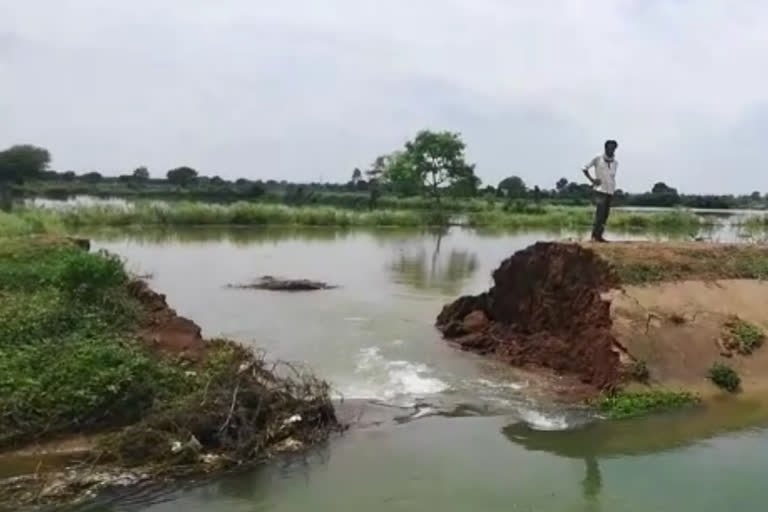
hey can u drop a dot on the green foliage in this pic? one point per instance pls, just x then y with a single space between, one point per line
67 358
141 173
21 162
77 381
744 336
432 161
513 187
623 404
92 177
183 176
724 377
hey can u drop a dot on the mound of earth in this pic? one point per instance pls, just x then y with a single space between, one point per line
287 285
598 312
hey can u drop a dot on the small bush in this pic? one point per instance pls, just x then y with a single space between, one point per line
744 336
626 405
724 377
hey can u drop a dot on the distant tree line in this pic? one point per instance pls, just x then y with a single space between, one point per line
431 165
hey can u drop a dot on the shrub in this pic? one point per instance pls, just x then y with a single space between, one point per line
724 377
626 404
744 336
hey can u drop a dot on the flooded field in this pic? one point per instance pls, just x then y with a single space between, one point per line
463 433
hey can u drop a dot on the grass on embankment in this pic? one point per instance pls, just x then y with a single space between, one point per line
524 215
71 362
644 263
625 404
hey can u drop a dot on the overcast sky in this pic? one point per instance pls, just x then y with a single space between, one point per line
307 90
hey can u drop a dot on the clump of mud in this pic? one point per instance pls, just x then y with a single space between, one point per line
544 309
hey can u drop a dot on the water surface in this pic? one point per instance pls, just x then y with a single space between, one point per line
373 339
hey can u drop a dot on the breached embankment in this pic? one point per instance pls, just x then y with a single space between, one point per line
598 313
154 398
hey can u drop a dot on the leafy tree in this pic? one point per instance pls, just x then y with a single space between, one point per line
662 188
489 190
141 173
217 180
68 176
755 196
561 184
437 158
357 175
255 191
513 187
21 162
92 177
182 176
401 174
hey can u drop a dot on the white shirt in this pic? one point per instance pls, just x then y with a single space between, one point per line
605 171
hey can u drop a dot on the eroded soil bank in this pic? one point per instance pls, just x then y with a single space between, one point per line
597 313
159 400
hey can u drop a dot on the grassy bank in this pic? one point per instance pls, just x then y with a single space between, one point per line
36 220
579 217
71 361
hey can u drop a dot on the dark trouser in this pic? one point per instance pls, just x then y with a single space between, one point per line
603 202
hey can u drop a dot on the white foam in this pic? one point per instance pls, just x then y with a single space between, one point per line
538 420
500 385
391 379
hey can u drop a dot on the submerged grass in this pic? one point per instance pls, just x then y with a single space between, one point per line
625 404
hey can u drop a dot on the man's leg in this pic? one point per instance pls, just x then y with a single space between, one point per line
601 214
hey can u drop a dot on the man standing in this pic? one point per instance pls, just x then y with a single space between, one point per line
604 184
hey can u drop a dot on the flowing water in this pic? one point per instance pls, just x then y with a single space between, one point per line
457 432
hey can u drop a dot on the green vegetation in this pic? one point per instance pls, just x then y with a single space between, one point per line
724 377
643 264
182 213
622 404
67 359
744 337
71 361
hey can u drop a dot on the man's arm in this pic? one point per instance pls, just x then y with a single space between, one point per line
585 170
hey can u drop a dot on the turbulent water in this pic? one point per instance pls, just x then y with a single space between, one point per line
457 432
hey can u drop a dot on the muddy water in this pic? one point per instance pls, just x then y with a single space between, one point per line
496 448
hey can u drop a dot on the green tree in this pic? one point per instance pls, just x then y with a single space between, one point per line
182 176
662 188
561 184
357 175
21 162
141 173
92 177
402 176
513 187
437 158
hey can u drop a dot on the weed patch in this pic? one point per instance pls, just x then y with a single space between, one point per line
622 404
724 377
744 337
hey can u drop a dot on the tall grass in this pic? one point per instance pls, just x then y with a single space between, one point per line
184 213
579 217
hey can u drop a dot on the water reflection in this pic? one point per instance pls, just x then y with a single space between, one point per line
245 235
426 268
643 436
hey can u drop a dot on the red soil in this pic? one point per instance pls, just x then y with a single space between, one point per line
544 309
164 330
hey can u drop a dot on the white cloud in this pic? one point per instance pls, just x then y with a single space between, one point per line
304 89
